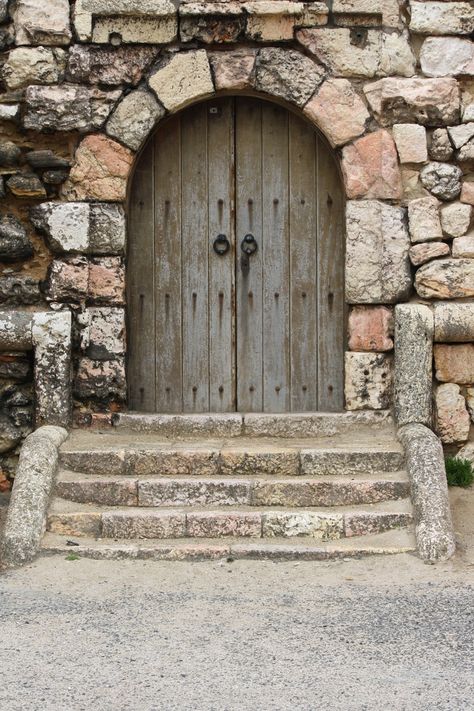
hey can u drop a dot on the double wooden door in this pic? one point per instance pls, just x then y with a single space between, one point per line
235 271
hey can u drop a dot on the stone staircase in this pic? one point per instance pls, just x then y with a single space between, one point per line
312 487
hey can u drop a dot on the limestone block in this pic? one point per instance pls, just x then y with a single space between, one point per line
423 220
370 167
108 65
210 524
413 364
466 153
460 135
9 112
33 65
377 263
430 102
440 146
67 280
454 322
186 77
101 379
129 7
368 381
323 526
4 13
335 49
467 193
106 280
442 18
315 14
68 107
100 172
397 58
14 242
452 417
442 180
134 118
338 111
425 252
464 246
446 279
39 22
371 328
287 74
454 363
103 332
271 28
233 70
139 30
81 227
447 56
456 219
51 333
410 139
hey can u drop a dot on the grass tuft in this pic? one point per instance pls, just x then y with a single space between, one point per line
459 472
73 556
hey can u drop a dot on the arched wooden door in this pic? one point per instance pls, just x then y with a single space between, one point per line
235 271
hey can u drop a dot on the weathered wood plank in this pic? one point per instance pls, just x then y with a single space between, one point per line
249 293
275 248
220 118
331 307
303 271
141 288
194 259
168 343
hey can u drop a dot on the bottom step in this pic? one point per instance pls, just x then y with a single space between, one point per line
387 543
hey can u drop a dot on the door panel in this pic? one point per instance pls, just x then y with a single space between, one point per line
225 332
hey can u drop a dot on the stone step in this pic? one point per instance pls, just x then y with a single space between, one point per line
309 424
112 455
388 543
135 523
249 491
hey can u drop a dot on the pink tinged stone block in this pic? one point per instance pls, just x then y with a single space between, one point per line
107 280
467 193
410 139
370 328
370 167
216 524
100 171
152 524
68 280
424 220
455 363
464 246
338 111
233 70
452 416
425 252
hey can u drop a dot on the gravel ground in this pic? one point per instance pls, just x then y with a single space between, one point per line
380 633
370 634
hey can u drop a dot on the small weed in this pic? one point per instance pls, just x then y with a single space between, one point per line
459 472
73 556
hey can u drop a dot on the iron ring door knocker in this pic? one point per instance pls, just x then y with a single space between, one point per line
221 245
248 246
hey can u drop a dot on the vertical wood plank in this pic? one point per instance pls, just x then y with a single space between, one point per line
168 343
331 307
194 259
249 293
275 248
141 288
220 118
303 266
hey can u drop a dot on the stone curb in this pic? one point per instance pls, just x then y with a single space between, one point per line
26 518
429 493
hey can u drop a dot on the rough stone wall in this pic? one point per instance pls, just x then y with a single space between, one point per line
389 83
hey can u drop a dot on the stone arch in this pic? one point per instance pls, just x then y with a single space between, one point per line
283 75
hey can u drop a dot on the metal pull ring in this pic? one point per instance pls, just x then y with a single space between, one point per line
221 245
249 245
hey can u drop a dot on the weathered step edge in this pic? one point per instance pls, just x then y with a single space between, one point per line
159 524
287 492
315 424
390 543
213 461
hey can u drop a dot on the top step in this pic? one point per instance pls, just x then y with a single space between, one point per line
225 425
